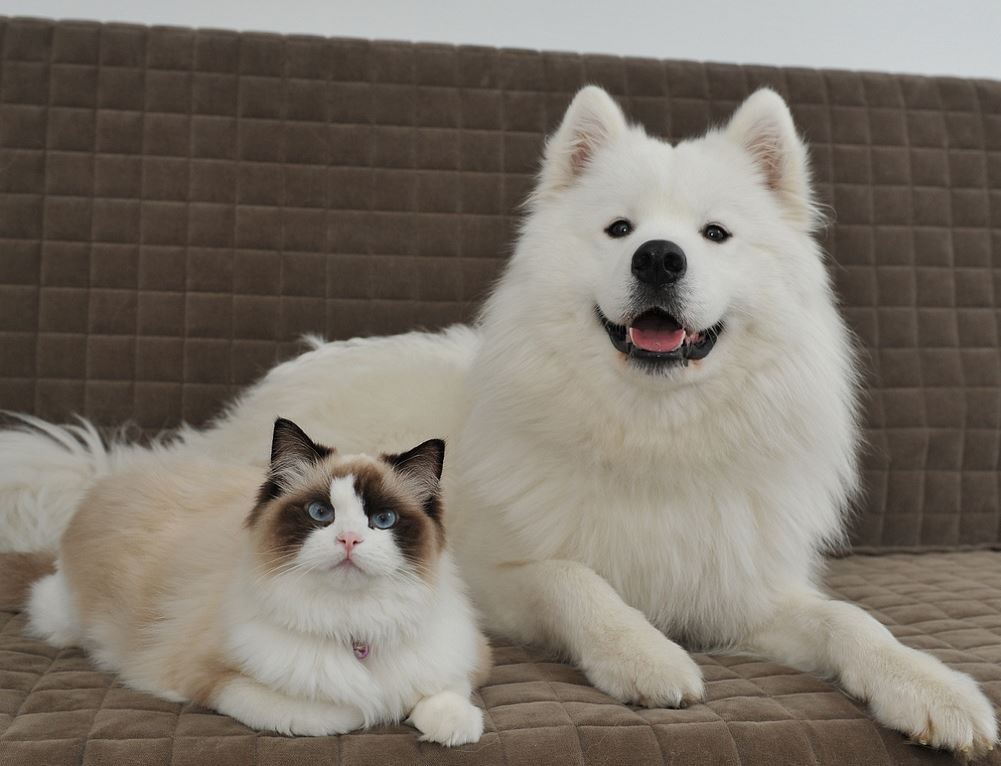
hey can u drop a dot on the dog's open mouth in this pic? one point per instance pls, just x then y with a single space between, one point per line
656 336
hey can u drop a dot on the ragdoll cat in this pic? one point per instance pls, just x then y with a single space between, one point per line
318 603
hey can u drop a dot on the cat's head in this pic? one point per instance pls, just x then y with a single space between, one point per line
349 518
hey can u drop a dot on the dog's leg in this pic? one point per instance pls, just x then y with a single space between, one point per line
566 605
906 689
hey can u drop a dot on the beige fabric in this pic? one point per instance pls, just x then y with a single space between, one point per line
177 207
54 708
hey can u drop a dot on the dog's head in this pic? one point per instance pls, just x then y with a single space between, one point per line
675 260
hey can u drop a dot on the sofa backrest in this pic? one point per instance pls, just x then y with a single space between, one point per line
177 207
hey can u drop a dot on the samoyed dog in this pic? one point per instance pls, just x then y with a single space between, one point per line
653 425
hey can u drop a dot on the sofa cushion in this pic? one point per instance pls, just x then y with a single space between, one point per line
178 206
55 708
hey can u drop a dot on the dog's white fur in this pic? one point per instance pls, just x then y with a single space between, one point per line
597 506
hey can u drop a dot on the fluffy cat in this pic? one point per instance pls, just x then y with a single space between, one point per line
323 603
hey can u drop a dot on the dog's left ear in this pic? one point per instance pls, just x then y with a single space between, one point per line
764 128
591 122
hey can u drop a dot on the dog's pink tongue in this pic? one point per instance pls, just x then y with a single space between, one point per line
655 333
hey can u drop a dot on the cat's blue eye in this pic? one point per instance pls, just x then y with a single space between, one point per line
320 512
383 519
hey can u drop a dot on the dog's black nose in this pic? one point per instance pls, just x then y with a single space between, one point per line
658 262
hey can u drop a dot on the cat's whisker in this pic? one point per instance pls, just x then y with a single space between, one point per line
276 570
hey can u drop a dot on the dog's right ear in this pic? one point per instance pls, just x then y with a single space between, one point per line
593 120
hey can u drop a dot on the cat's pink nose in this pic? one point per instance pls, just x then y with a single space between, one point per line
349 540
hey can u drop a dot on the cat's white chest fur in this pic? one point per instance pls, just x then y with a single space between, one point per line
312 667
306 650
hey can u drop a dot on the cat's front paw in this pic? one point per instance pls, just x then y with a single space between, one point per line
935 706
646 668
447 718
320 721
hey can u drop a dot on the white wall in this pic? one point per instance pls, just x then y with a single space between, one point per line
957 37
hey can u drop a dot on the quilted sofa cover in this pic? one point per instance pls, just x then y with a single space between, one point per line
178 206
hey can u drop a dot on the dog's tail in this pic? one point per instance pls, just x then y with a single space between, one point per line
45 472
18 572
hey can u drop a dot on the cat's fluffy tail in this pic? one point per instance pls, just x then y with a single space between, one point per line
31 582
45 472
18 573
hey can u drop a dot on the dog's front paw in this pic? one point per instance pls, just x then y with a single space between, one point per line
934 705
447 718
644 667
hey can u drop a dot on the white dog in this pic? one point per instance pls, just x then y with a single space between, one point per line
653 427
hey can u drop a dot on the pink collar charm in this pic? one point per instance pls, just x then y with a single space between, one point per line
360 649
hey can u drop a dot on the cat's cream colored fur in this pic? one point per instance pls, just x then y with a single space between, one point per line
163 580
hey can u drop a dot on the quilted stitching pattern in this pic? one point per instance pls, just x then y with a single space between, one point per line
177 207
55 708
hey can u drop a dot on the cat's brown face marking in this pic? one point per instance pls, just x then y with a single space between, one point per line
404 487
419 532
283 524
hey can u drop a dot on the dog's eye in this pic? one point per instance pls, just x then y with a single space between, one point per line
320 512
383 519
715 233
619 228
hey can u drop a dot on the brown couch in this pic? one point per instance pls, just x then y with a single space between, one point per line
177 207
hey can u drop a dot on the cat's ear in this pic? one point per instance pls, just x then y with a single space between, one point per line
292 454
420 468
289 443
